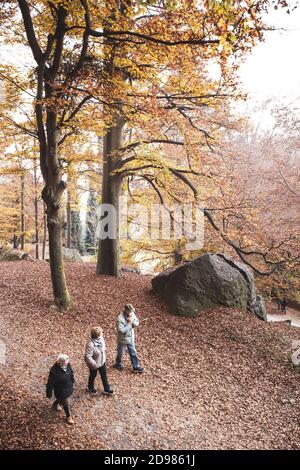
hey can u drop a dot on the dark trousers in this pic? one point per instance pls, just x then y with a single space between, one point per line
64 403
283 308
103 375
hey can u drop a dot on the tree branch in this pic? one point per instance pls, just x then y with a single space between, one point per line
59 36
85 41
30 33
74 112
164 42
19 126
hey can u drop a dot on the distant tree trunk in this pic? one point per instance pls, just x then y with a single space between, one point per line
15 242
90 225
22 200
69 220
76 231
109 249
36 212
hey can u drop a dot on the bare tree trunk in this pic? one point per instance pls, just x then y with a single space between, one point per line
109 249
60 291
53 196
45 232
55 224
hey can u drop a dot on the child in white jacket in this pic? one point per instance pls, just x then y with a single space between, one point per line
95 357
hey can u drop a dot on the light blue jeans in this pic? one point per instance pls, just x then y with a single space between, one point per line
132 353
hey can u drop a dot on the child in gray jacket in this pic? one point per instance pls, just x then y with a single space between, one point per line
126 322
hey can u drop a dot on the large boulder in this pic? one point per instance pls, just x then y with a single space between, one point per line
72 255
14 255
205 283
247 274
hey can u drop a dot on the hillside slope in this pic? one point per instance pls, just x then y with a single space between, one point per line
221 381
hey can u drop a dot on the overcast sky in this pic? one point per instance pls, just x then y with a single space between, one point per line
272 70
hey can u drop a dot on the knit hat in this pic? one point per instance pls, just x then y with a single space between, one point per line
129 308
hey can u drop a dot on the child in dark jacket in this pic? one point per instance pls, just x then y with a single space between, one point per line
61 380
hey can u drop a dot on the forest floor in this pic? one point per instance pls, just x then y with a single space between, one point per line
221 381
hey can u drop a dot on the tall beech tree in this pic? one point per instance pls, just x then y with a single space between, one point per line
118 65
156 64
50 72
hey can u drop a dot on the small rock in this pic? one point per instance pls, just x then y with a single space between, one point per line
72 255
260 308
296 344
295 357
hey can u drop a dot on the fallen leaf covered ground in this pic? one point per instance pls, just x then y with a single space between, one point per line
221 381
